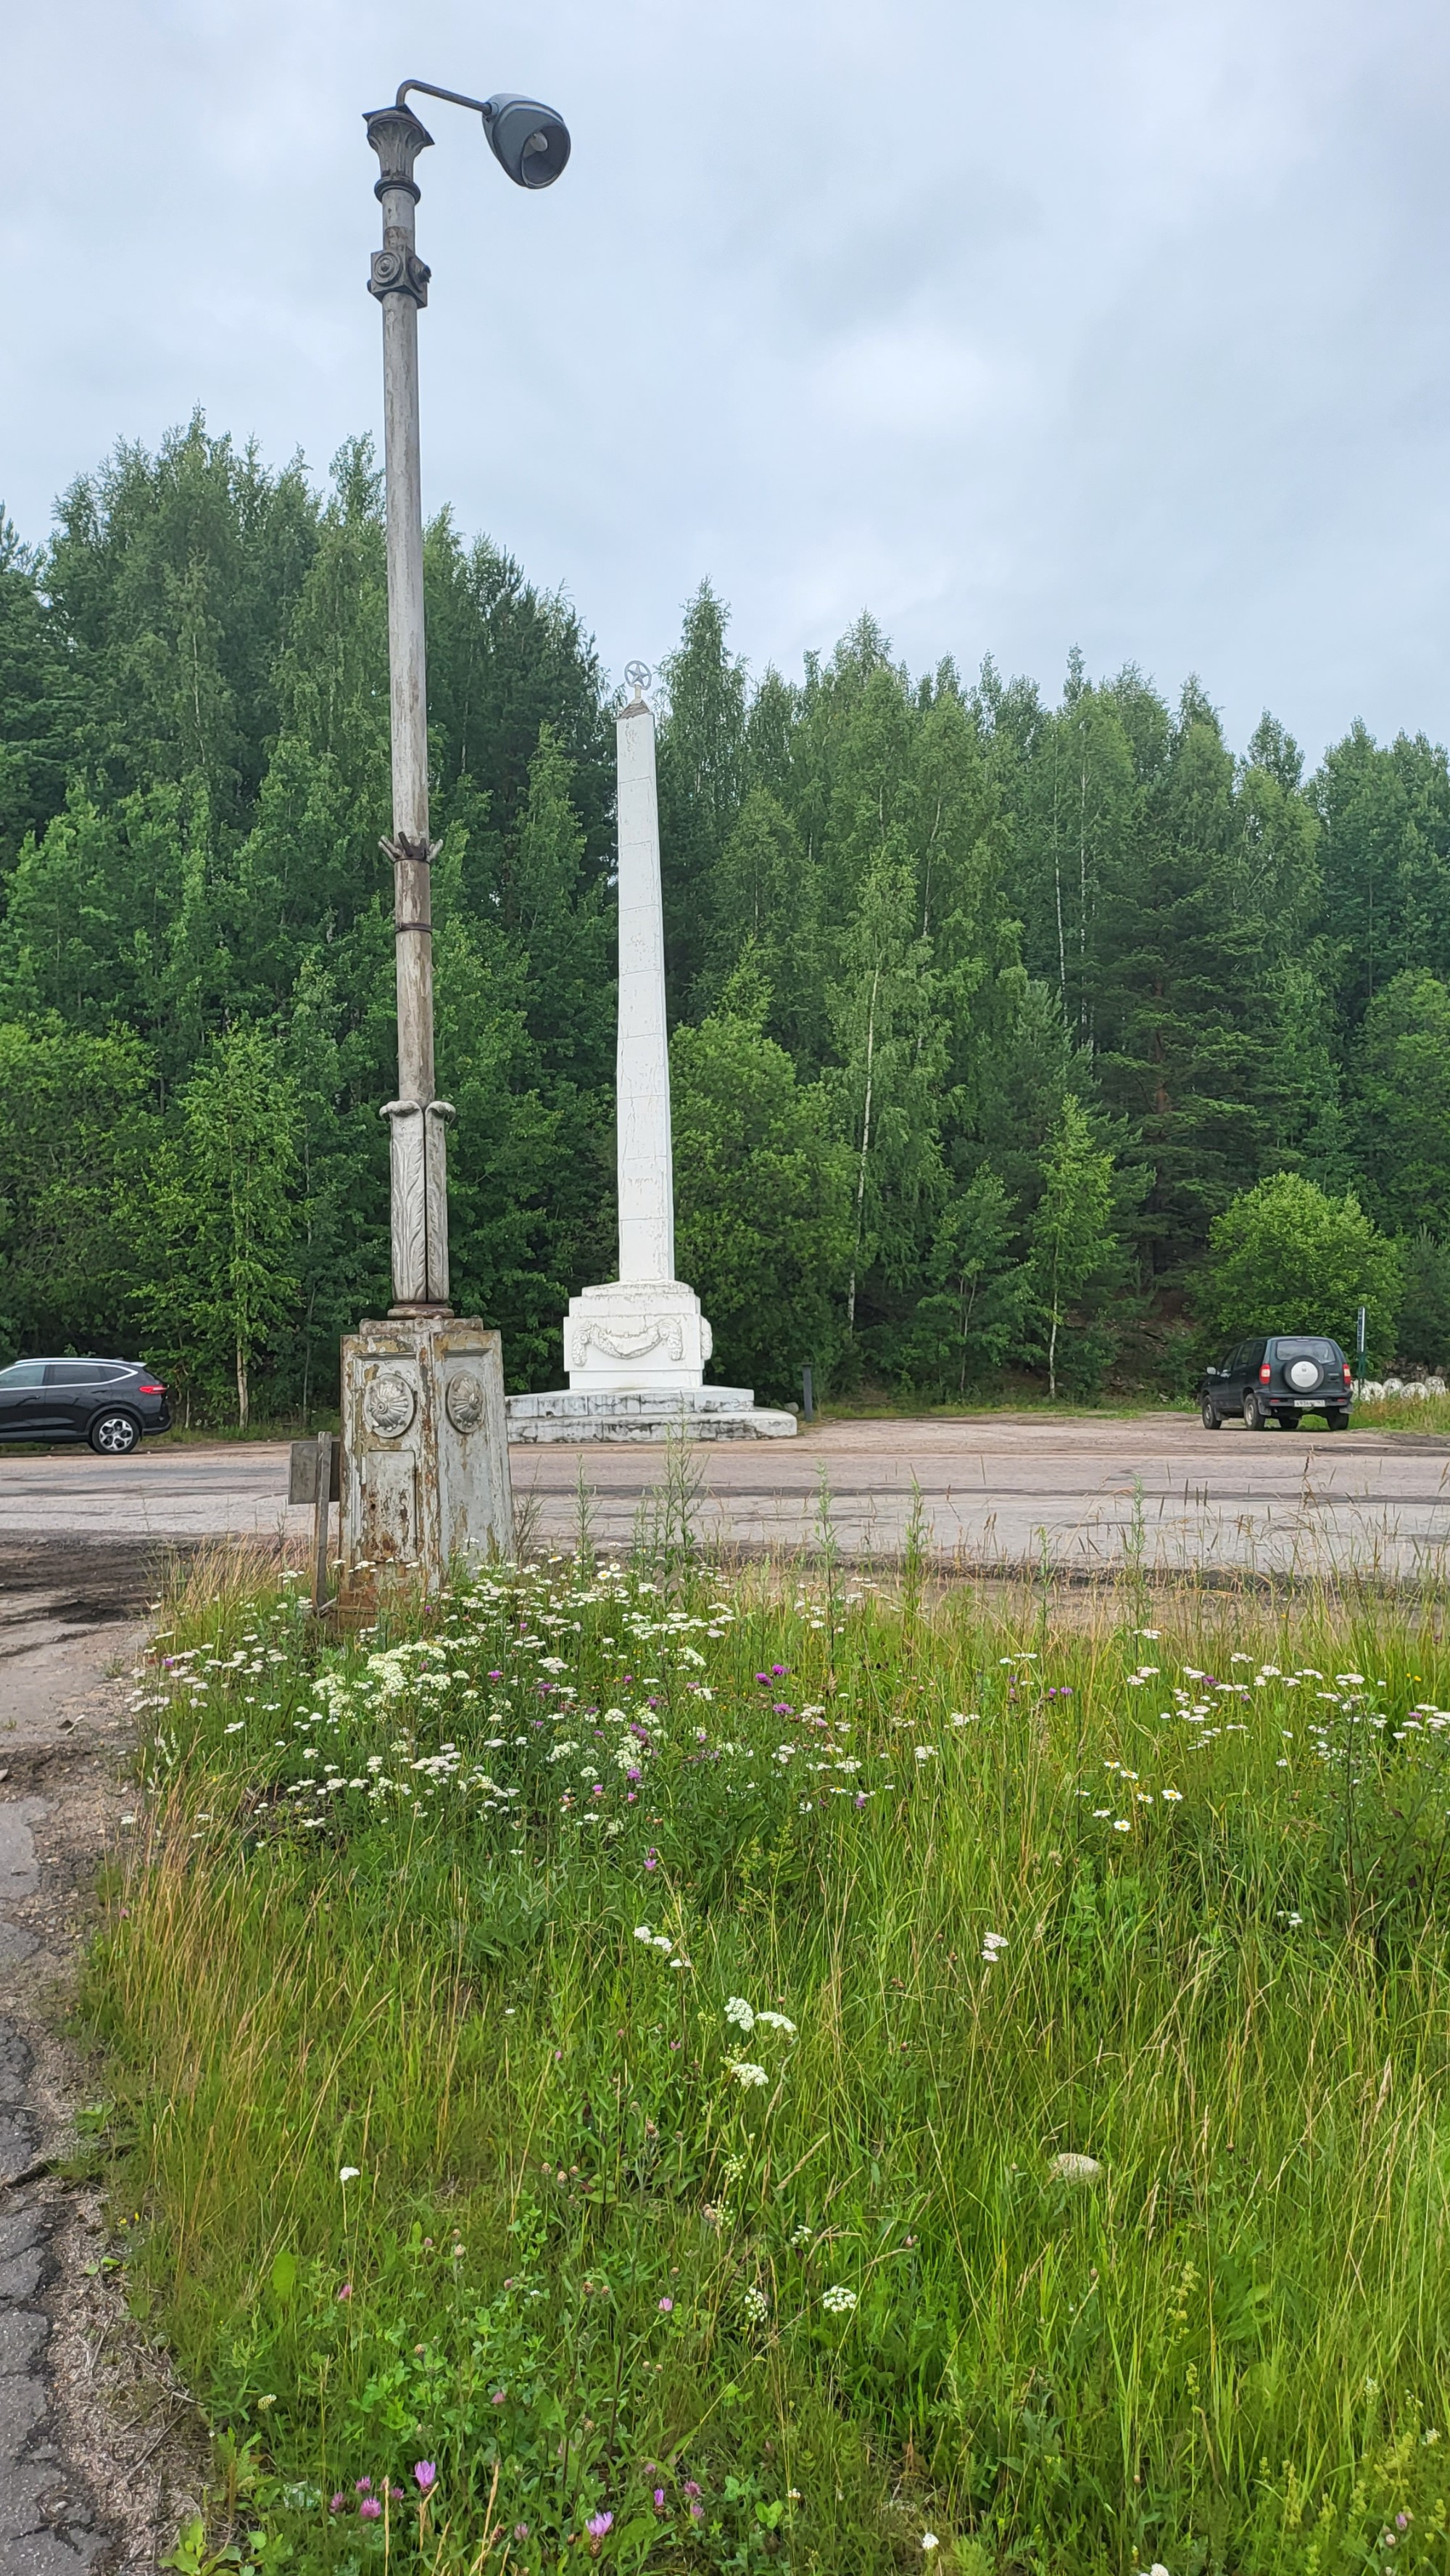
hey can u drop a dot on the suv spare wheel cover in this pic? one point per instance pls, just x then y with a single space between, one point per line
1302 1374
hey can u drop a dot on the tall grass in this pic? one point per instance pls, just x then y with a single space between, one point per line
835 2080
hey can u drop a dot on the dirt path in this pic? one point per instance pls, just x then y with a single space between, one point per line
99 2452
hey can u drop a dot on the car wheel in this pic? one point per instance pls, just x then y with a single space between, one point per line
115 1435
1253 1412
1211 1420
1337 1421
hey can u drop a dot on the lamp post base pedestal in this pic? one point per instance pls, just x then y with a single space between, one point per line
426 1470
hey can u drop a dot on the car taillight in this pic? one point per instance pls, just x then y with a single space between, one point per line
150 1386
1265 1374
1348 1374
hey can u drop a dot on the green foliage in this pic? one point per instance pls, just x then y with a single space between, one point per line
223 1208
1073 1245
1423 1335
78 1133
970 1324
574 2058
965 905
1402 1064
764 1193
1285 1258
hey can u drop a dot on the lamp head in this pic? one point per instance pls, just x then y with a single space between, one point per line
530 140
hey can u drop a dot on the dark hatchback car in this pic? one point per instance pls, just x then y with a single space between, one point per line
1279 1377
111 1403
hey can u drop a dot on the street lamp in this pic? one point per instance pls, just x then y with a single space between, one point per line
424 1430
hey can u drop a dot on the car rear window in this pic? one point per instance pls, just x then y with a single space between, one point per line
1306 1347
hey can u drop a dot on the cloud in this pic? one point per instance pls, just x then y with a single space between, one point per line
1108 321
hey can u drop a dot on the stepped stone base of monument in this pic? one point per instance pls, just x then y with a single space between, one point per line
635 1350
646 1413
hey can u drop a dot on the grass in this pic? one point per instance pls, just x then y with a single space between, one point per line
1405 1413
458 2131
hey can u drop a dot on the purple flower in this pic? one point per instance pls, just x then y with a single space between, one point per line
598 2524
425 2472
780 1668
651 1858
521 2531
498 2397
665 2307
659 2499
338 2501
398 2495
364 2486
370 2508
691 2487
346 2291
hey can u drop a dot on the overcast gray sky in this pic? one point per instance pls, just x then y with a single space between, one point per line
1116 322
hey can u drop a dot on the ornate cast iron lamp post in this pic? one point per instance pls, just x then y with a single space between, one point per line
427 1461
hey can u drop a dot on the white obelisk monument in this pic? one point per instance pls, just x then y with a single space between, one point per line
636 1348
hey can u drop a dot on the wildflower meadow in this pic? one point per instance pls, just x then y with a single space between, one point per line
638 2066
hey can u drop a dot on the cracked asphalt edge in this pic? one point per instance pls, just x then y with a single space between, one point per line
103 2455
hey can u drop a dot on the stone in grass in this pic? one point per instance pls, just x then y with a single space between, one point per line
1070 2168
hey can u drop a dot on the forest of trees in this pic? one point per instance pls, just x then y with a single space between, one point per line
984 1009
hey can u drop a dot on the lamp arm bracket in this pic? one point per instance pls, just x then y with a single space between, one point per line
454 97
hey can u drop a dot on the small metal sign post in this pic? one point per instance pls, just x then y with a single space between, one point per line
1359 1347
808 1392
315 1477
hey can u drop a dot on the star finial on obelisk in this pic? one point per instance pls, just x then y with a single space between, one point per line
639 676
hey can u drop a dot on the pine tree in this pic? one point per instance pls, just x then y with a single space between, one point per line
1402 1087
701 781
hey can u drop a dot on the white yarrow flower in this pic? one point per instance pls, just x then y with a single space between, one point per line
740 2012
348 2173
838 2300
746 2074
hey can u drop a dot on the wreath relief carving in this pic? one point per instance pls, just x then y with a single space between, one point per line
627 1345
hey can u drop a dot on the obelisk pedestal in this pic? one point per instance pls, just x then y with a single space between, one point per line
635 1348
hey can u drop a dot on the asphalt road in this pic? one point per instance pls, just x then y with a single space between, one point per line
995 1490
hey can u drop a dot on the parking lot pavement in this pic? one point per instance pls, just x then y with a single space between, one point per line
987 1490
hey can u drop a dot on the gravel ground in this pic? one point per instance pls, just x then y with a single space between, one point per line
101 2454
991 1492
